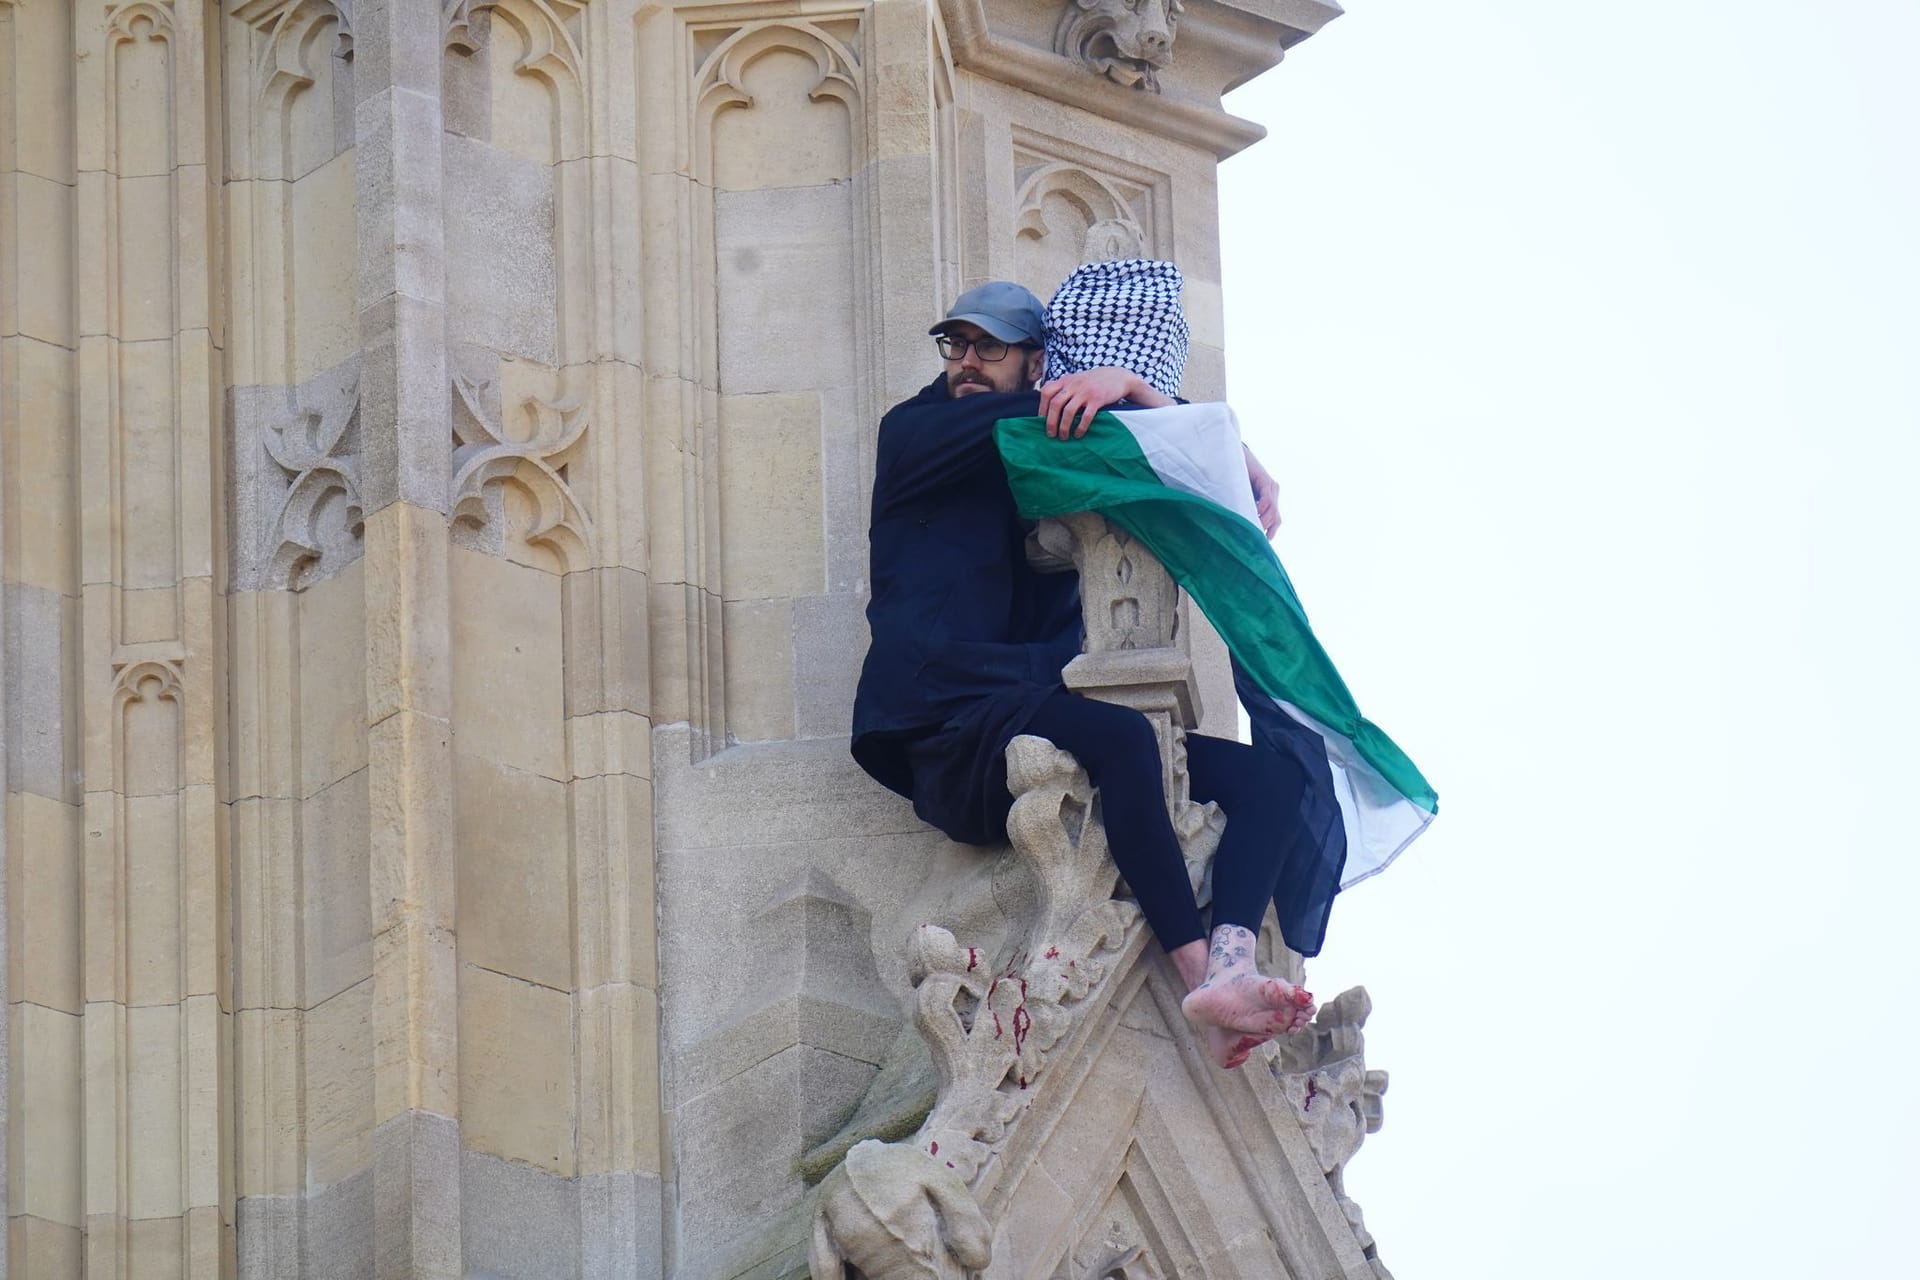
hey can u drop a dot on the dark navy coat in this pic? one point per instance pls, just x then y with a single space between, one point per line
967 638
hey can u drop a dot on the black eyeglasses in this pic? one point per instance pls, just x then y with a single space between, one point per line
988 349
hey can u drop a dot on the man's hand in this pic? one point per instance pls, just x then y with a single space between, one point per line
1082 395
1266 494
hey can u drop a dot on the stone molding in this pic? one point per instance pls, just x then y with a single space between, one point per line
1243 39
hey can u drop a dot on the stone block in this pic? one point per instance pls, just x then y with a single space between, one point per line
267 903
517 1221
846 451
326 328
42 89
759 670
516 1070
784 288
670 640
500 229
147 285
404 408
267 1229
41 753
618 1030
268 1126
153 1167
37 1247
337 1092
148 616
787 138
515 888
613 873
830 641
395 45
606 667
398 195
410 867
148 512
415 1019
44 902
721 1195
1205 377
44 1128
151 846
620 1225
776 795
416 1197
42 524
466 84
42 268
1033 1223
333 616
772 543
336 931
338 1237
408 663
92 194
508 688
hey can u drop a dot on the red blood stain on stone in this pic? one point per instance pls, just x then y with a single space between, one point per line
1053 953
1022 1023
949 1164
933 1148
1312 1091
973 959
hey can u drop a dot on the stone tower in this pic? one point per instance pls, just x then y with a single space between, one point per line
434 447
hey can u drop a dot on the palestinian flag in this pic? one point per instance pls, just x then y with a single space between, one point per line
1175 479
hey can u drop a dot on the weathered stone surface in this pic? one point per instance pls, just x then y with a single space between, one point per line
438 441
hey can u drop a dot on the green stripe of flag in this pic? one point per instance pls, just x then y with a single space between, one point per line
1222 560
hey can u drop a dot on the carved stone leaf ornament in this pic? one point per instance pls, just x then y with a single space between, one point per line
990 1029
1338 1101
1127 41
531 459
319 525
282 65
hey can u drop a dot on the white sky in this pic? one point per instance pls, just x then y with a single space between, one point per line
1587 353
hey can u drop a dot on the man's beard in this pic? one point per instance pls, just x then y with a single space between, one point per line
958 380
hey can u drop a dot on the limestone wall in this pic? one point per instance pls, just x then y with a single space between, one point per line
434 446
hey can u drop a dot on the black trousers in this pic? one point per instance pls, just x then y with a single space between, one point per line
1259 791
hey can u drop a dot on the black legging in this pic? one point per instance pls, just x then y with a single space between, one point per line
1258 789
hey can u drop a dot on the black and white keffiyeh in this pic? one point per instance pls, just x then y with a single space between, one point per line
1125 313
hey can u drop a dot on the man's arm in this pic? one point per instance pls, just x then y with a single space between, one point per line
1081 395
1266 494
1087 393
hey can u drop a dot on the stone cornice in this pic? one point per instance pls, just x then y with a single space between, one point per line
1235 39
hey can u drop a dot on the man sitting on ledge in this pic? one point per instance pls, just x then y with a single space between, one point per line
967 650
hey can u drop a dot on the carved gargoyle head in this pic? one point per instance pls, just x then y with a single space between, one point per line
895 1213
1127 41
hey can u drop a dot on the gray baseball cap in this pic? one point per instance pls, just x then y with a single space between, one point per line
1003 308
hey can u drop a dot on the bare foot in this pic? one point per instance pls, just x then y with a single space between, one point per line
1231 1049
1236 997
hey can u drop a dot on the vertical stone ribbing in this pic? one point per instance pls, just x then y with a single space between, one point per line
406 432
39 604
156 1148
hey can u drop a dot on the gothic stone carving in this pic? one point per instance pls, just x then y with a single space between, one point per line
511 493
1323 1073
318 528
1127 41
991 1026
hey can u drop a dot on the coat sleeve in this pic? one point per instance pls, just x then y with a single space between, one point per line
929 443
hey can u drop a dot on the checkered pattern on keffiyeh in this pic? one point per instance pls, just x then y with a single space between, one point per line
1125 313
